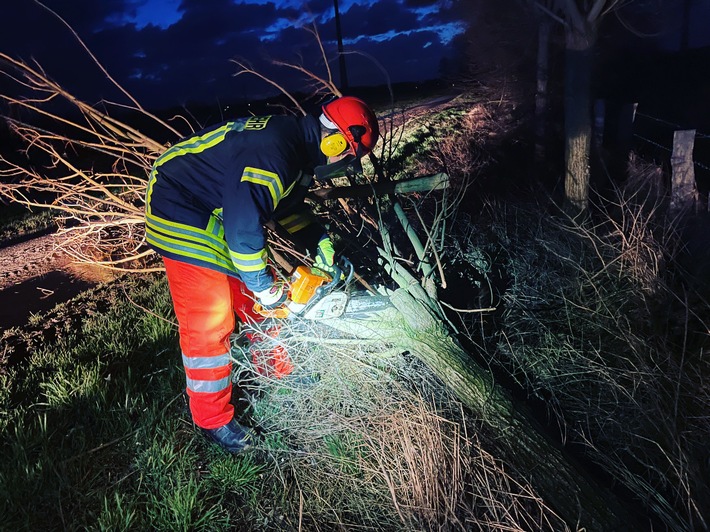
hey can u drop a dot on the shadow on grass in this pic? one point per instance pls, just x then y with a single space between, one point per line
37 295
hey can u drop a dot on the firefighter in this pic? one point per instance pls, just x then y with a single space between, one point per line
207 200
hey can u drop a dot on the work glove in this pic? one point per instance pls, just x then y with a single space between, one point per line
274 296
325 257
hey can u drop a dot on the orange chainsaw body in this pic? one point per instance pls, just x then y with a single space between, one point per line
304 284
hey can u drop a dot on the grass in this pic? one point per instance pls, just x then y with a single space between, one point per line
96 434
92 416
17 222
599 322
380 442
448 140
595 322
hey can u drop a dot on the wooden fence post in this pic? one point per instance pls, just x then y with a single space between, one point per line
684 191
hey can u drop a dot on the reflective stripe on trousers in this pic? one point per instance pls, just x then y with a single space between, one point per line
204 301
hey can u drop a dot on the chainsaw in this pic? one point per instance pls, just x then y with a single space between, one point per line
315 297
319 296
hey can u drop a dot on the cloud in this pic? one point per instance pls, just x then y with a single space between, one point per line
381 18
186 54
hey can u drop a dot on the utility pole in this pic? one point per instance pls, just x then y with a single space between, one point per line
685 28
341 55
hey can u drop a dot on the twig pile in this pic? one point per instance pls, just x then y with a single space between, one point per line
379 441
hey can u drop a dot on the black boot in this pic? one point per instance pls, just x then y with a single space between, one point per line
232 437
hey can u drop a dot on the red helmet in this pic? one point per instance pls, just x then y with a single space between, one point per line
356 121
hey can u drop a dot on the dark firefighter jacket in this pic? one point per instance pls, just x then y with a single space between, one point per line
209 195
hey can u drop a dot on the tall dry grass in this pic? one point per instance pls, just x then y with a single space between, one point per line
377 442
599 322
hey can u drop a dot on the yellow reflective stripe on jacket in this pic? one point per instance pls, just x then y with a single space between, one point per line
195 144
187 241
149 189
186 249
295 222
249 262
215 226
186 232
268 179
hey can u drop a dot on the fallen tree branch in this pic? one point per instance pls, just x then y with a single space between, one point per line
418 184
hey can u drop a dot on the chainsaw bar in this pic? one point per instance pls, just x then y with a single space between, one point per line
339 304
363 306
331 305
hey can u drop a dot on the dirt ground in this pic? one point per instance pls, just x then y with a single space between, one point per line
35 276
30 259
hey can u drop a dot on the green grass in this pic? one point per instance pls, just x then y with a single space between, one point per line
16 221
343 448
95 432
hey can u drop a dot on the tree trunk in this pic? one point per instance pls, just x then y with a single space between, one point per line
578 127
579 501
543 59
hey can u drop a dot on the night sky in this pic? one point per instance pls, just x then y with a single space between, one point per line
175 52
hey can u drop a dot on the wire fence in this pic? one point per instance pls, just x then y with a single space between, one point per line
699 150
671 124
660 135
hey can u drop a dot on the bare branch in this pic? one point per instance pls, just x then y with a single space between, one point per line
93 57
246 69
333 88
551 13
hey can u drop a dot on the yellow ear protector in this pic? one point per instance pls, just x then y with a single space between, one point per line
333 144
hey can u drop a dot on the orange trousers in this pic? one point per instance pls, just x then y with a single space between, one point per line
205 302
